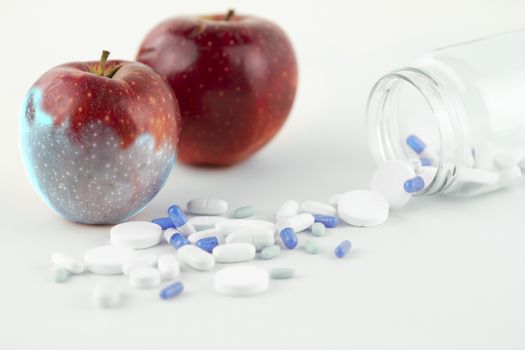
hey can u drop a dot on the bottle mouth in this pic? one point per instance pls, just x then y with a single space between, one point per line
407 103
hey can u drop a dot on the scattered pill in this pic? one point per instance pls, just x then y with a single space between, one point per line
61 275
426 161
231 225
107 260
311 246
67 262
326 220
234 252
241 281
207 243
477 176
363 208
318 229
334 200
196 258
212 232
270 252
145 260
288 208
259 238
164 223
168 267
180 220
388 180
136 235
298 222
281 273
313 207
171 291
418 146
106 294
343 248
144 277
205 222
414 185
288 237
244 212
207 206
175 238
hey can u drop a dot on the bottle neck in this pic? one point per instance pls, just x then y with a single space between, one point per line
411 101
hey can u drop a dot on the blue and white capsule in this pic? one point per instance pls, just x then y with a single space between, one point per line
421 148
171 291
180 221
207 243
288 237
343 248
164 223
414 185
175 238
326 220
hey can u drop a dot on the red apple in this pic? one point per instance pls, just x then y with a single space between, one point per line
99 138
234 76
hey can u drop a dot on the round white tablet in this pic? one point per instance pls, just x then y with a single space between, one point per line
363 208
136 234
107 260
144 277
241 281
389 179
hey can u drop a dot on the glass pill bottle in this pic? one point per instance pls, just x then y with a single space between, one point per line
457 114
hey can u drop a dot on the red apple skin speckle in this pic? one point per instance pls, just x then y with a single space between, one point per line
235 82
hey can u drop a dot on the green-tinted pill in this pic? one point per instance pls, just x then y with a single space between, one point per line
244 212
318 229
270 252
311 246
61 275
282 273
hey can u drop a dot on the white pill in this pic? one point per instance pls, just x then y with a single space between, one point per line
510 176
298 222
144 277
241 281
136 234
106 294
389 179
477 176
234 252
288 208
67 262
333 200
212 232
107 260
205 222
363 208
168 267
314 207
145 260
195 257
207 206
259 238
230 225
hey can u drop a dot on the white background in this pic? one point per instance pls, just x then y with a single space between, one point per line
442 273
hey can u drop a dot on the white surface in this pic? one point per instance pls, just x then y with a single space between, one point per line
241 281
135 235
363 208
442 273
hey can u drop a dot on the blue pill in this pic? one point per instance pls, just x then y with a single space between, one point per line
177 215
171 291
177 240
288 237
207 243
425 161
414 185
343 248
416 144
326 220
164 223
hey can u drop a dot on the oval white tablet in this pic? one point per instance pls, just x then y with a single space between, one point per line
207 206
230 225
205 222
144 277
259 238
212 232
314 207
107 260
298 222
389 179
195 257
67 262
288 208
234 252
168 267
145 260
241 281
363 208
136 234
106 294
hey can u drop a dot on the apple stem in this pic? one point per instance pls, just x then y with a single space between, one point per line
102 64
229 14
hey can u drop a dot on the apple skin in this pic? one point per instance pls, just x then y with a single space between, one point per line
97 149
235 81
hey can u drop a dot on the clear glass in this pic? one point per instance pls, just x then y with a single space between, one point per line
467 103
